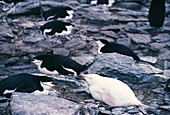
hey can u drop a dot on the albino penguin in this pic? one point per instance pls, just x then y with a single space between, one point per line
111 91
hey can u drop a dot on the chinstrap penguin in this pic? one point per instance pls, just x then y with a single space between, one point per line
109 47
59 12
58 64
156 15
111 91
56 28
13 1
25 82
101 2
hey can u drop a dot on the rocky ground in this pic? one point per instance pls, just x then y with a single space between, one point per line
125 23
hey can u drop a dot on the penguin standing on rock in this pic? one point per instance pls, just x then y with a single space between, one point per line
59 12
58 64
156 15
109 47
101 2
13 1
56 28
111 91
25 82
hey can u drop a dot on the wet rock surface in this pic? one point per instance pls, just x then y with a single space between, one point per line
125 23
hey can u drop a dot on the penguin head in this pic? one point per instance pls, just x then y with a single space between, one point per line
103 41
39 59
68 8
91 78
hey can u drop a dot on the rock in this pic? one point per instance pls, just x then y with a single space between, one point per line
167 64
115 28
110 34
121 66
165 107
33 39
25 103
4 106
149 59
159 90
61 51
140 38
25 8
84 59
74 44
131 25
6 32
161 38
168 44
164 54
117 111
124 41
132 13
99 18
167 98
129 5
167 73
157 46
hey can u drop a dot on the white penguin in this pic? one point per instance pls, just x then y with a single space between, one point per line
111 91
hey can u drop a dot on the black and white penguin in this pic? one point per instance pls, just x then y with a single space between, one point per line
58 64
109 47
56 28
25 82
167 87
59 12
156 15
101 2
13 1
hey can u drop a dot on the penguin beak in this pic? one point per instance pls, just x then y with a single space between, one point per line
83 75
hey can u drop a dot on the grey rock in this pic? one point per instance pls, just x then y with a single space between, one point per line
74 44
25 8
62 51
164 54
168 44
157 46
159 90
84 59
100 18
6 32
33 39
133 111
117 111
131 25
114 27
161 38
110 34
140 38
166 73
124 41
121 66
24 103
167 64
129 5
4 106
166 107
133 13
167 98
